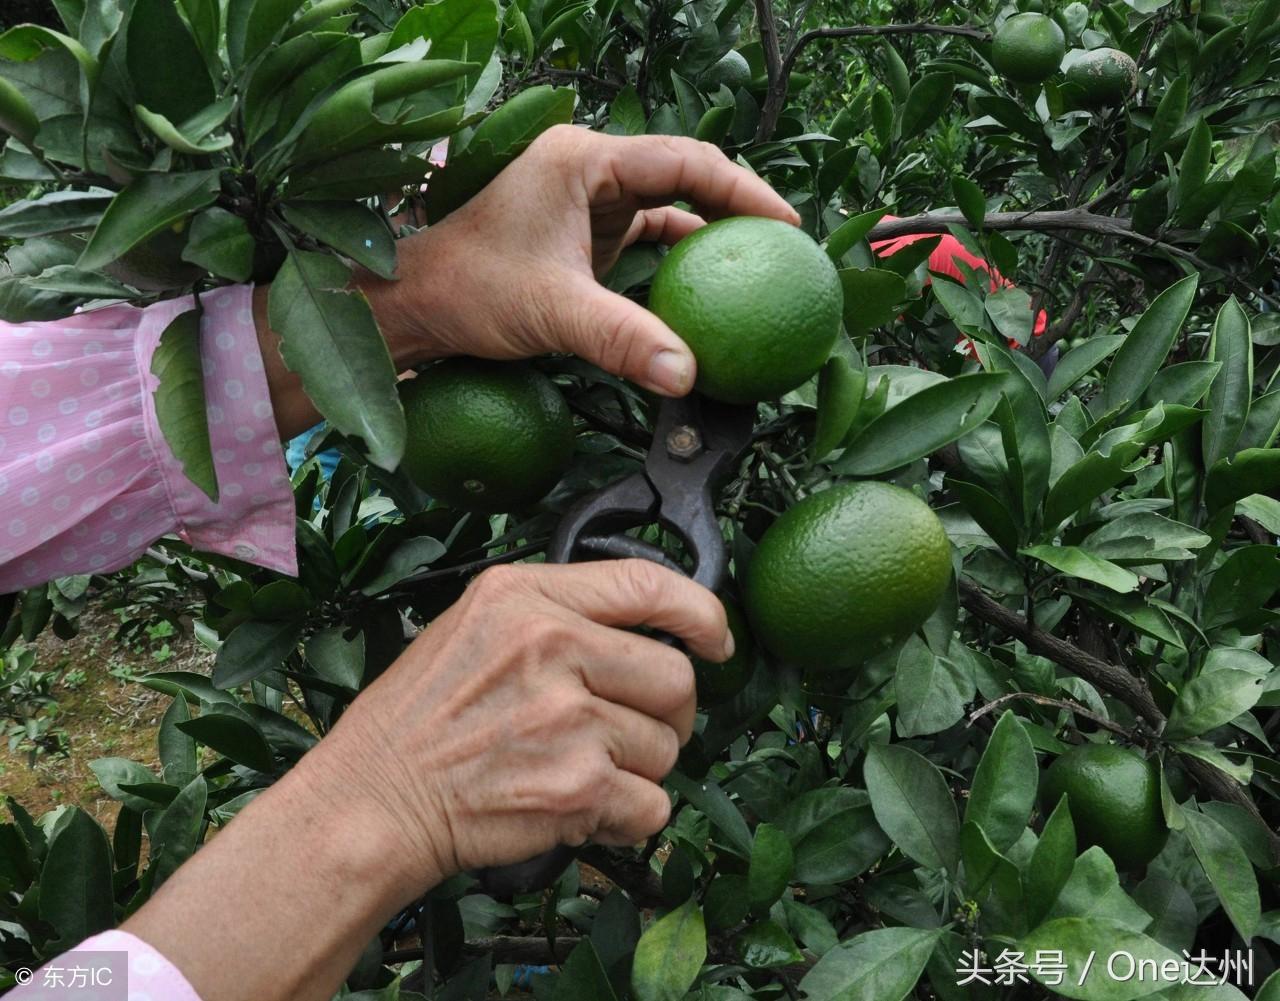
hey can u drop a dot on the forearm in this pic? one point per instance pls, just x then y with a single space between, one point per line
293 890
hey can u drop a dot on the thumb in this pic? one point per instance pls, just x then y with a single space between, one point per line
623 338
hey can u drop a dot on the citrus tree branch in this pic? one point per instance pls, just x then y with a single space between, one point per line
877 30
776 92
1117 682
1043 700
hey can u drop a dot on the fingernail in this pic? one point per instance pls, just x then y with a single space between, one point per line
671 372
729 645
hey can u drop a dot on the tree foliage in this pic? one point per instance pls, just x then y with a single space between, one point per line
1107 486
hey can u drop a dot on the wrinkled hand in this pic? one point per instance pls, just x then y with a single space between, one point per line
526 716
512 274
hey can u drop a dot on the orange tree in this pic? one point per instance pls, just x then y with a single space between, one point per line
1106 487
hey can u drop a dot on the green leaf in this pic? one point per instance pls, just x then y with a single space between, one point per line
167 71
497 141
144 208
921 424
176 834
254 648
221 243
1051 863
1228 401
180 400
972 202
352 229
252 25
175 139
840 391
913 805
1086 944
57 212
626 113
408 557
564 19
1010 312
583 976
1193 168
850 232
1093 891
178 763
356 175
75 883
835 834
1255 470
871 297
1004 784
1170 112
1241 587
112 773
669 955
926 101
1080 563
879 965
707 796
1211 700
1172 910
336 659
372 109
464 30
329 337
232 737
931 690
770 867
1147 345
1228 869
766 944
17 117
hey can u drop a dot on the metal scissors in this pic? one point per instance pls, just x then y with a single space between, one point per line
695 448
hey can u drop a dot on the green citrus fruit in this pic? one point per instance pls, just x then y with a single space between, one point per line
1105 77
846 573
731 71
1114 797
485 436
721 682
1028 48
757 301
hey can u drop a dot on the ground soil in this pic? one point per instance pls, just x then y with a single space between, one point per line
105 715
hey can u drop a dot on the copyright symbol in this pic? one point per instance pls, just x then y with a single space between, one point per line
23 976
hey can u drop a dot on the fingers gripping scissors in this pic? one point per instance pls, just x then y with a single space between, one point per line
695 448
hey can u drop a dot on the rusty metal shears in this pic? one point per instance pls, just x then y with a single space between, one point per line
695 448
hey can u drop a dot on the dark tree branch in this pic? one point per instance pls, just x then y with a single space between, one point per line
1117 682
876 30
776 92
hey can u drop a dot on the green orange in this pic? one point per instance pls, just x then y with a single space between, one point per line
758 302
1105 77
1028 48
1114 797
485 436
846 573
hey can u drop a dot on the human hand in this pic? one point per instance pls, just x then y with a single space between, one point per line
513 273
526 716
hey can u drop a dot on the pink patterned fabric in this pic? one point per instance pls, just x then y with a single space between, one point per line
87 481
151 976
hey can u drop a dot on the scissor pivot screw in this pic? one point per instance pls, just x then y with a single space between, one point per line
683 442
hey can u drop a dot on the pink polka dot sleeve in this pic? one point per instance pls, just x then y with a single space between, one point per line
87 481
151 977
